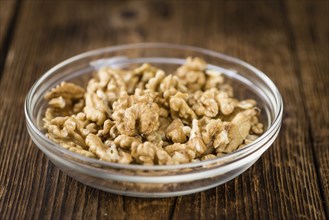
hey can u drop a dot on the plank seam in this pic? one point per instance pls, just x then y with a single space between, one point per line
124 206
172 210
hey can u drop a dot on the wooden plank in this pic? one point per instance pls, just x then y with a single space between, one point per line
282 184
311 51
6 13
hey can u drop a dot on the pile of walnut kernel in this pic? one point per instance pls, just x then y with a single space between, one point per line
145 116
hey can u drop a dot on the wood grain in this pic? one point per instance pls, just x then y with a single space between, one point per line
6 15
311 60
287 40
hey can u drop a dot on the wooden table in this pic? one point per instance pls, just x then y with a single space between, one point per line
288 40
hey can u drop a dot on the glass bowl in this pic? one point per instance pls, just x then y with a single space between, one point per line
158 180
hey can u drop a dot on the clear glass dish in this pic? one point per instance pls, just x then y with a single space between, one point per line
159 180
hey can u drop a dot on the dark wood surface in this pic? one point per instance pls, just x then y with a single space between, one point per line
288 40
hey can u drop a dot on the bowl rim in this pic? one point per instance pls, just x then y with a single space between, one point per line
223 160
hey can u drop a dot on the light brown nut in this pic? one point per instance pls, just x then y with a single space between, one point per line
250 138
163 112
140 118
131 80
215 133
204 103
187 130
115 86
114 132
145 72
252 113
163 157
138 77
92 128
96 109
164 87
77 149
181 153
136 114
208 157
105 131
58 102
155 138
172 82
68 129
124 101
107 152
214 79
65 99
148 153
220 154
154 83
226 90
247 104
100 81
144 96
209 107
180 109
49 115
107 84
66 90
226 105
125 141
78 106
257 128
241 125
125 158
168 94
222 138
175 131
209 102
164 123
192 74
195 140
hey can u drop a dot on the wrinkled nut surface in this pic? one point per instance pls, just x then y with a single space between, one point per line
147 116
